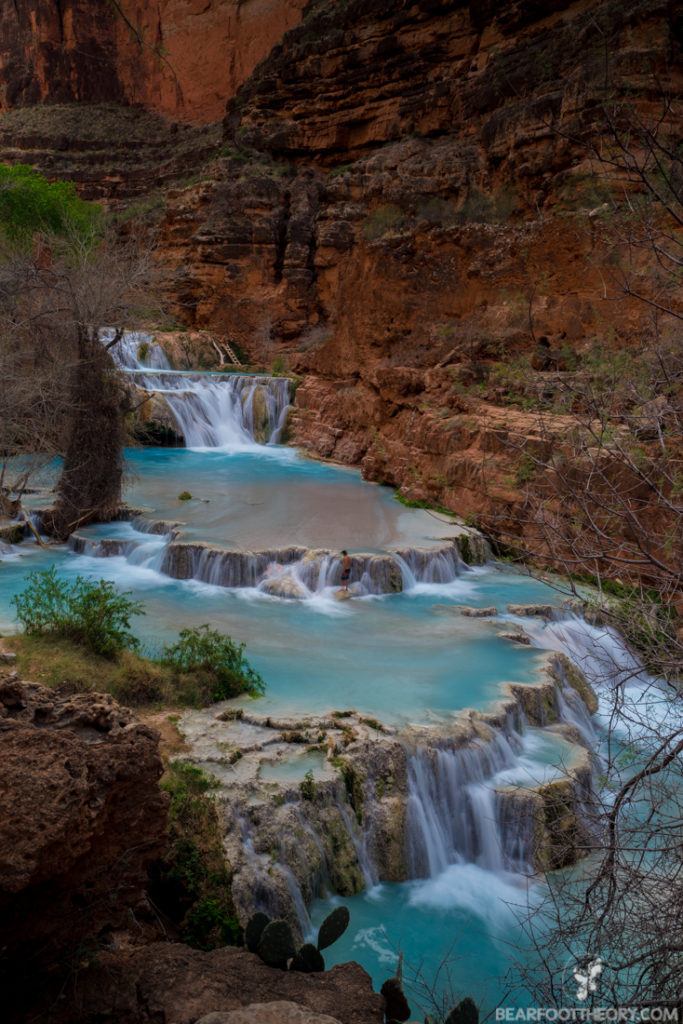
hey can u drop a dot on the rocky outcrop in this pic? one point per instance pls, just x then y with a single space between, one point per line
82 817
397 209
322 803
182 59
269 1013
167 983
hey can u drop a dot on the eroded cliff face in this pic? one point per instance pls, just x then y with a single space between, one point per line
399 210
83 817
181 58
404 213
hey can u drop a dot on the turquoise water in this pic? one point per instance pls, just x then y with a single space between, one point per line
294 768
402 658
456 933
273 497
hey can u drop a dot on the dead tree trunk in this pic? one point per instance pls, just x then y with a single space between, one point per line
89 488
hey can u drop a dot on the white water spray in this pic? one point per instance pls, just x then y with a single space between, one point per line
233 412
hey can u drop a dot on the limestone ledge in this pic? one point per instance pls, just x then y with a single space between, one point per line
287 835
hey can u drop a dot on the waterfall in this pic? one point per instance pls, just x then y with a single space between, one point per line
425 566
219 410
144 549
635 702
359 839
455 815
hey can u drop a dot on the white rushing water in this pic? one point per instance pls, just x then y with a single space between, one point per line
233 412
456 816
635 704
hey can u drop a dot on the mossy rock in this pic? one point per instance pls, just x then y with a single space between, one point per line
577 680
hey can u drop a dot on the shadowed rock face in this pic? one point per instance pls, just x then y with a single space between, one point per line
168 983
396 206
182 59
82 817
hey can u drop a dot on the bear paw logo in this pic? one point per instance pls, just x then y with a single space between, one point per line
587 978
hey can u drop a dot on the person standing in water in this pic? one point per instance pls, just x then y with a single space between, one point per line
346 570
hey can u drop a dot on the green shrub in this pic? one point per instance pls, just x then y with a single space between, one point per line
30 203
206 652
94 615
307 786
526 470
193 884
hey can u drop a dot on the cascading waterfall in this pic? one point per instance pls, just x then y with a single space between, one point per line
455 815
422 566
634 701
212 410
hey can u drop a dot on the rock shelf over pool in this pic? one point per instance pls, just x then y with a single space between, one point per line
287 572
331 801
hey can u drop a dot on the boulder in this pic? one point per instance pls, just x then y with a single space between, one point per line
82 817
172 983
284 586
269 1013
477 613
541 611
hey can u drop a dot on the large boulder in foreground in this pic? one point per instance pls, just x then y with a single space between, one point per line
169 983
81 817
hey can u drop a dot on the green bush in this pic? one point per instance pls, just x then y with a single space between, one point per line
206 652
94 615
30 203
193 883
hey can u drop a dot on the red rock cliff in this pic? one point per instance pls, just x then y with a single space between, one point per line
399 209
181 58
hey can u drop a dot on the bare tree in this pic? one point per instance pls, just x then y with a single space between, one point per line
604 502
63 394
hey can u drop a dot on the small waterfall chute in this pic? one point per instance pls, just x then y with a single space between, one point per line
454 811
232 412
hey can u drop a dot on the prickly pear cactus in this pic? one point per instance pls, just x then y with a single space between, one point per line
254 930
276 946
465 1012
396 1006
333 927
308 960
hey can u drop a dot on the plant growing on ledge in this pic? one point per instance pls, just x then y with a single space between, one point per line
91 614
216 657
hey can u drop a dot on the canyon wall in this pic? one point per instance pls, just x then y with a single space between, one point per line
180 58
83 818
400 207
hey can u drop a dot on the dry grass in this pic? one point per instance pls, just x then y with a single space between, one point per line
132 679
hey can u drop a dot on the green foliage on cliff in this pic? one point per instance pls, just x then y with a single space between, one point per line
216 658
31 204
77 637
383 220
193 883
94 615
